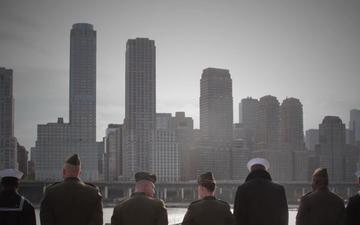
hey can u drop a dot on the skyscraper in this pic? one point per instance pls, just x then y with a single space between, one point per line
332 147
56 141
292 138
216 105
291 125
8 143
249 111
268 123
216 121
311 139
140 105
355 123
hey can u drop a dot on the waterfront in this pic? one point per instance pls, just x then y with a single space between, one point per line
175 215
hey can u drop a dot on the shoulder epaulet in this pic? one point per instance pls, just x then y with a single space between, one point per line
52 185
306 195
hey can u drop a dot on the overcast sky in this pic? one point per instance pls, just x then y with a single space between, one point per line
304 49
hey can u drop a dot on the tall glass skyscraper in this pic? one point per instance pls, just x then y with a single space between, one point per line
8 143
140 104
57 141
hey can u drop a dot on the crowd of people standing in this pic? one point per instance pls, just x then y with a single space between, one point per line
258 201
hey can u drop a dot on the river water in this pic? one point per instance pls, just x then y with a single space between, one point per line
175 215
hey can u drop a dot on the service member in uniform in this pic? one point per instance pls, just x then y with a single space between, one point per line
71 202
142 208
14 208
353 207
321 206
259 201
208 210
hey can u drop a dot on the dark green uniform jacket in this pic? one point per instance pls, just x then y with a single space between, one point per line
15 209
71 202
353 210
208 211
140 209
259 201
321 208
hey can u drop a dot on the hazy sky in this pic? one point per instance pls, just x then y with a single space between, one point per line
304 49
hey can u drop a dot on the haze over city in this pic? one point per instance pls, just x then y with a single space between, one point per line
305 49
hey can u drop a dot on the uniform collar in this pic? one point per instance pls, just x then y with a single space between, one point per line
209 198
138 194
72 179
262 174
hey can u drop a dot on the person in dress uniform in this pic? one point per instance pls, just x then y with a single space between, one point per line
353 206
71 202
259 201
14 208
321 206
142 208
208 210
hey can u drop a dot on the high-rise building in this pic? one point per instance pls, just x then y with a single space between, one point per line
140 105
267 139
185 138
311 139
8 143
56 141
114 152
291 125
22 157
268 123
332 147
165 157
216 122
216 105
292 138
249 118
354 123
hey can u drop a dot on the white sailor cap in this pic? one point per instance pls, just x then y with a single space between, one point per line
11 173
258 161
357 174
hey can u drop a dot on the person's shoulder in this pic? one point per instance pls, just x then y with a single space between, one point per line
336 197
306 196
195 203
91 189
53 186
355 198
223 203
158 202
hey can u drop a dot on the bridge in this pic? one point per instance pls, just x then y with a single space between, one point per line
184 192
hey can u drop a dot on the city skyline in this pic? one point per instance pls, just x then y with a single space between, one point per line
306 56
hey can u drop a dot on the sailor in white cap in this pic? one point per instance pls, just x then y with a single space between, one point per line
353 206
259 200
14 208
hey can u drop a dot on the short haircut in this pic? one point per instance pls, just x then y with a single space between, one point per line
209 186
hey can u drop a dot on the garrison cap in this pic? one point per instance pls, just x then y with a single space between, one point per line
11 173
206 178
321 173
74 160
145 176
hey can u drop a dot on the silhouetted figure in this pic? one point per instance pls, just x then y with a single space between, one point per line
259 201
142 208
208 210
71 202
353 207
321 206
14 208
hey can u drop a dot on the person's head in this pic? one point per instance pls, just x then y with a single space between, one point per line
320 179
72 167
258 164
206 185
145 183
10 178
